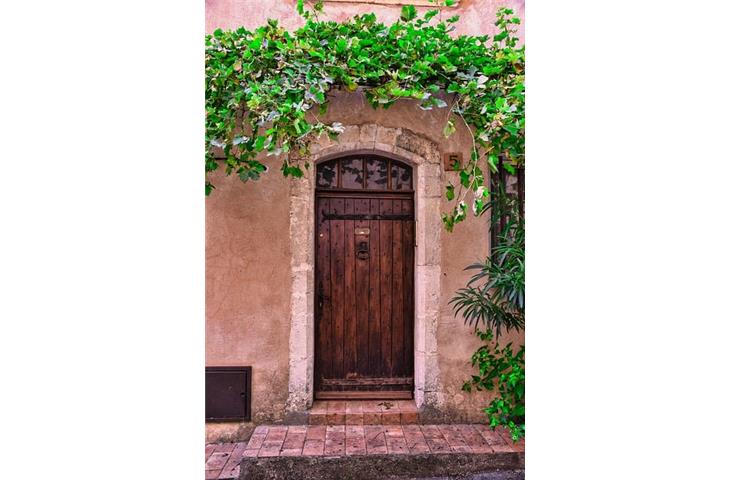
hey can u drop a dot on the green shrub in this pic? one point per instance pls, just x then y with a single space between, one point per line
504 370
495 298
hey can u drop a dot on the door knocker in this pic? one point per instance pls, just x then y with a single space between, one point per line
363 251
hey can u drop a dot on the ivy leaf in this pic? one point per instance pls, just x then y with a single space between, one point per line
449 129
448 221
449 192
408 13
292 170
430 14
453 88
519 88
511 129
465 178
478 206
492 160
449 68
460 212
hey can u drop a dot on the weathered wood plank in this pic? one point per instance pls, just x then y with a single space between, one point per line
350 341
386 289
408 283
368 381
374 335
323 323
362 285
337 254
397 294
365 395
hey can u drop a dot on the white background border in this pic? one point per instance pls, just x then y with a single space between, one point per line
103 258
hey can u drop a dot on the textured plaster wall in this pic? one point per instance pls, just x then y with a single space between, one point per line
251 265
248 288
477 16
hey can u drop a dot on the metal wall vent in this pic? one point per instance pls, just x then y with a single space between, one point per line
228 393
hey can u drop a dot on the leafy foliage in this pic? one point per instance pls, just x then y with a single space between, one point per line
503 369
495 298
264 87
495 294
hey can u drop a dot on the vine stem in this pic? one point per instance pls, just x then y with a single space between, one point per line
474 147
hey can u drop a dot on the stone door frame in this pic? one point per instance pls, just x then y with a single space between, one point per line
423 155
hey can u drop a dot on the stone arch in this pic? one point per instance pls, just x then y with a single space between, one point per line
423 155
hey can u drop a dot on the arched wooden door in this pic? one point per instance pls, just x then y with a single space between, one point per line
364 279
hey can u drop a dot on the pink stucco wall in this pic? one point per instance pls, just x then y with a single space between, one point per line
477 16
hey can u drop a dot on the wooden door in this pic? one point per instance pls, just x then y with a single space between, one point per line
364 292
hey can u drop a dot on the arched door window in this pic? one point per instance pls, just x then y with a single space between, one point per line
365 172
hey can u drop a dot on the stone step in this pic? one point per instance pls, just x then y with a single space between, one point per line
349 452
364 412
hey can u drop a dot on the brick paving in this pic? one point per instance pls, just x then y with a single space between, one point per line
357 429
222 460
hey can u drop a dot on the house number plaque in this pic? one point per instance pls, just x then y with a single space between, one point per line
452 161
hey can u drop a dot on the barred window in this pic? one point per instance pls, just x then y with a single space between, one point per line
514 187
364 172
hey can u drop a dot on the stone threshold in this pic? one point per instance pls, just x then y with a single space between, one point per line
363 412
346 451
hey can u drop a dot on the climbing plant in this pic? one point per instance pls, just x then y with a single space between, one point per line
494 299
266 88
495 294
501 370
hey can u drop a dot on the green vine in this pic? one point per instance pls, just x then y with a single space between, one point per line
501 369
495 298
265 89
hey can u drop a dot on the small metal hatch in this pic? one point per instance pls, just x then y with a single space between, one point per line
228 393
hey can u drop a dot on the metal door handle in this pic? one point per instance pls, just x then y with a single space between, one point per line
363 251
